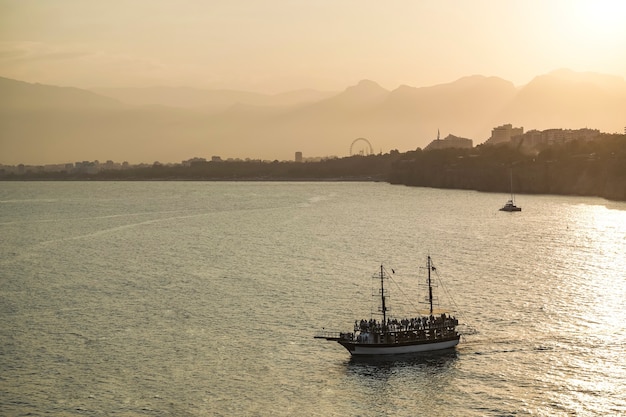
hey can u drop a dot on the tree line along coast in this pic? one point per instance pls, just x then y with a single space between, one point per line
579 167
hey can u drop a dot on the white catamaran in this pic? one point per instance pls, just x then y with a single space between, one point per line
434 330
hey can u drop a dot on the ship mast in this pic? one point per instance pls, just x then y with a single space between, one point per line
382 296
430 288
511 173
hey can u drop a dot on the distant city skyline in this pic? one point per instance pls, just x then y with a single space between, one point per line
276 46
530 141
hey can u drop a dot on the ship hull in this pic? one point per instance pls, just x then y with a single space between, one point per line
399 348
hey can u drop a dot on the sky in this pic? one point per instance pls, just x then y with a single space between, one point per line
274 46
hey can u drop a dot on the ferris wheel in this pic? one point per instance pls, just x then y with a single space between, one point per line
363 147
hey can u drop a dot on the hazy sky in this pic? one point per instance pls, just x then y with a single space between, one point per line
273 46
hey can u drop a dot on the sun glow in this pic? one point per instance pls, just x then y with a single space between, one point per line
596 21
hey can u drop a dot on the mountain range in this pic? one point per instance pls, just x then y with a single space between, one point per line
42 124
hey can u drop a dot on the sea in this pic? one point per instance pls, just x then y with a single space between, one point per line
203 299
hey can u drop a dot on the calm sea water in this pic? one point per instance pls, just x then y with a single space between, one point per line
202 299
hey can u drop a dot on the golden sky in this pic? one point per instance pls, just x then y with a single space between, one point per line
273 46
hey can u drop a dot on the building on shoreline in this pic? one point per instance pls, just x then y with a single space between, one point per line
503 134
537 138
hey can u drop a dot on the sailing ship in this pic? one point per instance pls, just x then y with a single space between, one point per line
510 205
429 331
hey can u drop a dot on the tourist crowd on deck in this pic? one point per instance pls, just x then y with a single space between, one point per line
416 323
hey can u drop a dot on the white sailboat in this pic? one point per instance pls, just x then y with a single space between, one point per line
510 205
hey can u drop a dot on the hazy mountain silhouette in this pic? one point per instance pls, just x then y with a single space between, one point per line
211 101
47 124
569 99
21 95
465 106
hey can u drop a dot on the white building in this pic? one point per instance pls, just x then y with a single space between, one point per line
503 134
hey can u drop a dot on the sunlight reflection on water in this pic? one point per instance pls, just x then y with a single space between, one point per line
591 304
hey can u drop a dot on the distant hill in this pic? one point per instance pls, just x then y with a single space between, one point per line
211 101
569 99
21 95
466 106
47 124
